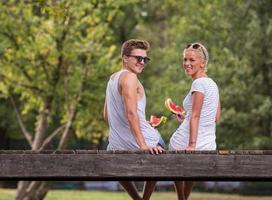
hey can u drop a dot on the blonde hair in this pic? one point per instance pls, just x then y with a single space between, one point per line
200 48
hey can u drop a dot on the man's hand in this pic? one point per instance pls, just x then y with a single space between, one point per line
153 150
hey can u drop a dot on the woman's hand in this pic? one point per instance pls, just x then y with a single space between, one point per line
180 118
190 148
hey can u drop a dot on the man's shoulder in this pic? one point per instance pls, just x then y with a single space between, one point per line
128 76
128 73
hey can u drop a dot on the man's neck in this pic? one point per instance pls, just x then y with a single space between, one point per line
128 69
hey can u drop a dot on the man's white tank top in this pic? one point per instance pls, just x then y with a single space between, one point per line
120 135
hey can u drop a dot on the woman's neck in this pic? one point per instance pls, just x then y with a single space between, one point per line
199 75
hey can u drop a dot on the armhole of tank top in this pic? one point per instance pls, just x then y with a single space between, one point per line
120 73
113 76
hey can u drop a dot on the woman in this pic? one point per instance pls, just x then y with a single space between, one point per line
202 106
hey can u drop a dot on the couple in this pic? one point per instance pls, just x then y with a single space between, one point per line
124 110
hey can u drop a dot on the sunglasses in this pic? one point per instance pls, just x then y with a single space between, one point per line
196 46
140 58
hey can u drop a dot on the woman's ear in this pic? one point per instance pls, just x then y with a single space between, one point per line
202 65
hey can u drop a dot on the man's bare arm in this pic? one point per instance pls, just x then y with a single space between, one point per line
128 86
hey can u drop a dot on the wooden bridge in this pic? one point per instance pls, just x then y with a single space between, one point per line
127 165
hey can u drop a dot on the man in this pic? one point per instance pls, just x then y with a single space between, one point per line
124 110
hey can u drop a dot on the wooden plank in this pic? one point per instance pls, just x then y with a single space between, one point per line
128 165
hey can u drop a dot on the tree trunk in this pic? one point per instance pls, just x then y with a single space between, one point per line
34 190
37 190
64 139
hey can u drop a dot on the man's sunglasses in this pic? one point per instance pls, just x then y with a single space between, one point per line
140 58
196 46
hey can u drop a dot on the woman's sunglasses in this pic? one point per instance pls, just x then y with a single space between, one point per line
140 58
196 46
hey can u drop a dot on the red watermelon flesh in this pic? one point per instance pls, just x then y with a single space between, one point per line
157 121
170 105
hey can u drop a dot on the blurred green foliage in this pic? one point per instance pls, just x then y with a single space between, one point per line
38 36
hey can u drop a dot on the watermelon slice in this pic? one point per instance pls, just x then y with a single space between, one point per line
157 121
170 105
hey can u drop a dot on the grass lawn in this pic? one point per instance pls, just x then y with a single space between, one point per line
6 194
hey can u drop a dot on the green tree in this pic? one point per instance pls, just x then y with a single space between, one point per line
55 57
237 35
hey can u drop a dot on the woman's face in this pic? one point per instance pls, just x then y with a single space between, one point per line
193 63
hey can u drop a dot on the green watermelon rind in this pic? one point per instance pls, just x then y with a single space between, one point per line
162 121
168 103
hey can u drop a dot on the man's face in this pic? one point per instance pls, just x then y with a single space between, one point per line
135 62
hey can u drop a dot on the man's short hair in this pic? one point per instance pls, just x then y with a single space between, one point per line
132 44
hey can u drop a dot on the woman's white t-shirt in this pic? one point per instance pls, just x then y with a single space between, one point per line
207 126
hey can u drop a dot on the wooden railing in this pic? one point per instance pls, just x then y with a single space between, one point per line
126 165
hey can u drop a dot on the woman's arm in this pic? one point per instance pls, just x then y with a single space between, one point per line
197 102
218 113
105 112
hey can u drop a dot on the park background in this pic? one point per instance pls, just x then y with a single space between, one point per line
57 55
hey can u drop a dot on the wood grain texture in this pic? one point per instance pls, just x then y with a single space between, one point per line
128 165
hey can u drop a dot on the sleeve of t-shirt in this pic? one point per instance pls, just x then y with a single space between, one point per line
197 86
